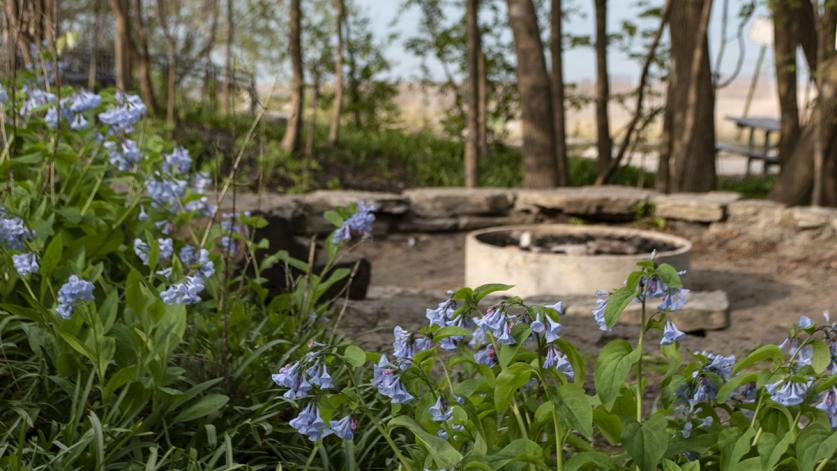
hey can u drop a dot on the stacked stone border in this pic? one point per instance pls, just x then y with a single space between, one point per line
463 209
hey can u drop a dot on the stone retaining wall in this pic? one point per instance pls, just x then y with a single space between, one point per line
460 209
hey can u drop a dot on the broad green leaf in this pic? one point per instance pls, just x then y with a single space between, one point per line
334 218
589 460
508 382
207 405
485 290
609 424
52 255
765 352
668 275
646 443
821 357
616 303
771 448
574 407
734 445
815 444
575 360
520 450
442 452
451 331
355 356
612 369
733 384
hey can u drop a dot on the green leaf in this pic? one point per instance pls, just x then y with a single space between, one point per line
442 452
595 460
334 218
52 255
355 356
646 443
668 275
765 352
485 290
609 424
207 405
574 407
520 450
771 448
822 356
451 331
508 382
815 443
733 384
616 303
734 445
612 369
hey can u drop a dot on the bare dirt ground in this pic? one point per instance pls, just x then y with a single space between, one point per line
769 286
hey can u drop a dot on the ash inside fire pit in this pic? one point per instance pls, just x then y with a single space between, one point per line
577 244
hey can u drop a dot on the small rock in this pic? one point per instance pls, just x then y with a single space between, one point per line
324 200
812 217
449 202
695 207
596 202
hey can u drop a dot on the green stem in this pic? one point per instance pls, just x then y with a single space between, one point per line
639 388
559 452
92 194
519 418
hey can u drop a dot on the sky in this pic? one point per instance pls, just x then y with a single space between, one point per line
579 63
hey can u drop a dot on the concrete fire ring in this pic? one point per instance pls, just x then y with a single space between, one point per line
542 273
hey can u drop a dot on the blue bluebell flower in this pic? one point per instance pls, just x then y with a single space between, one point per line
792 351
35 98
25 264
746 393
552 329
310 424
124 155
719 364
486 356
13 232
382 372
599 311
72 292
178 161
442 313
673 300
828 404
201 182
165 192
505 337
537 326
79 123
165 272
440 412
703 390
344 428
805 322
671 334
186 292
357 225
143 216
4 97
187 255
396 392
51 117
318 375
122 117
207 267
653 287
83 101
405 346
142 249
557 360
286 376
494 322
787 392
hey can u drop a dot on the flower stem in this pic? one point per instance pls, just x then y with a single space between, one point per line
639 388
559 453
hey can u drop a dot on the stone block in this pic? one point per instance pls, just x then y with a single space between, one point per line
805 218
705 310
324 200
694 207
469 223
596 202
754 211
449 202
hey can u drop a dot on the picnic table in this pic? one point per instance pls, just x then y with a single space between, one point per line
763 150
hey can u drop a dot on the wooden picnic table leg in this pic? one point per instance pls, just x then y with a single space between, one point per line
766 148
751 145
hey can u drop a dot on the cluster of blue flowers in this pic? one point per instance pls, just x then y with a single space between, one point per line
358 225
300 378
72 292
13 236
124 115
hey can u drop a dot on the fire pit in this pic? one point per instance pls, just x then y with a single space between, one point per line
554 259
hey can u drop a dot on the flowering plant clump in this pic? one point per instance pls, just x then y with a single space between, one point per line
495 385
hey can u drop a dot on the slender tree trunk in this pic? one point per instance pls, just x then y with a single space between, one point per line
784 56
691 99
94 44
472 146
354 81
228 65
312 129
144 62
604 144
171 42
483 107
121 44
291 140
334 127
556 50
539 168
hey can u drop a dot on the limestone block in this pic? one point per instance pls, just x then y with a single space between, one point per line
694 207
596 202
448 202
323 200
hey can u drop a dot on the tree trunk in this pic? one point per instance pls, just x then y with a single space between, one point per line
556 50
539 168
309 136
334 128
228 66
472 145
290 142
144 62
604 144
94 44
122 44
690 100
483 107
784 56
